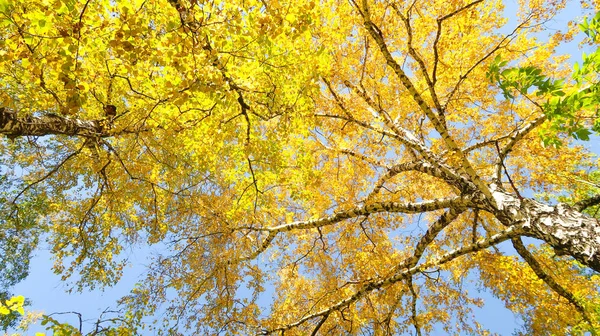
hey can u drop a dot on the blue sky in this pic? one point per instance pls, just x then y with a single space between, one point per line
48 292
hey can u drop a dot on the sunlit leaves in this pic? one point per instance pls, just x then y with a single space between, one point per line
228 119
58 328
571 109
15 303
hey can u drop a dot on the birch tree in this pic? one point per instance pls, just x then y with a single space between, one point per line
331 167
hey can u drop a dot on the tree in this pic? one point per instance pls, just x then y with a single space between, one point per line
362 160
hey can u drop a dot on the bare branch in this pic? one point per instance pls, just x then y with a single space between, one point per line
47 175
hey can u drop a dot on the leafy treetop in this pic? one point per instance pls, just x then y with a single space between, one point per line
360 160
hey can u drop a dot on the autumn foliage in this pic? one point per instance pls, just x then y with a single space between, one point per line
325 167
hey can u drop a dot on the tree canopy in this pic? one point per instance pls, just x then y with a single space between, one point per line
306 167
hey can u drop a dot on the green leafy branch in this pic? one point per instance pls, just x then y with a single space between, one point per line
575 111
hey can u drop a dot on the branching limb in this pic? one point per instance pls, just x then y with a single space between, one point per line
263 247
503 43
319 325
403 135
338 99
365 125
79 318
47 175
390 315
413 307
549 280
50 92
436 56
188 22
392 171
377 207
415 55
430 235
254 182
419 166
350 118
503 167
373 208
400 131
377 35
485 143
515 137
474 227
481 244
374 162
365 158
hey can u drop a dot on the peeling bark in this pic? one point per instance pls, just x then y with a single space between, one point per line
14 126
567 230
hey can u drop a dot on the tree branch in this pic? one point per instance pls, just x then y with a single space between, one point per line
548 280
403 135
377 35
14 126
439 33
515 137
413 53
586 203
568 231
481 244
378 207
422 167
413 305
509 37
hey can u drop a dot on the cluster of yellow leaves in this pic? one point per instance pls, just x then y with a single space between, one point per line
15 303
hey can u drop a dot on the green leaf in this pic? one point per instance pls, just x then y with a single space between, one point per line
582 134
